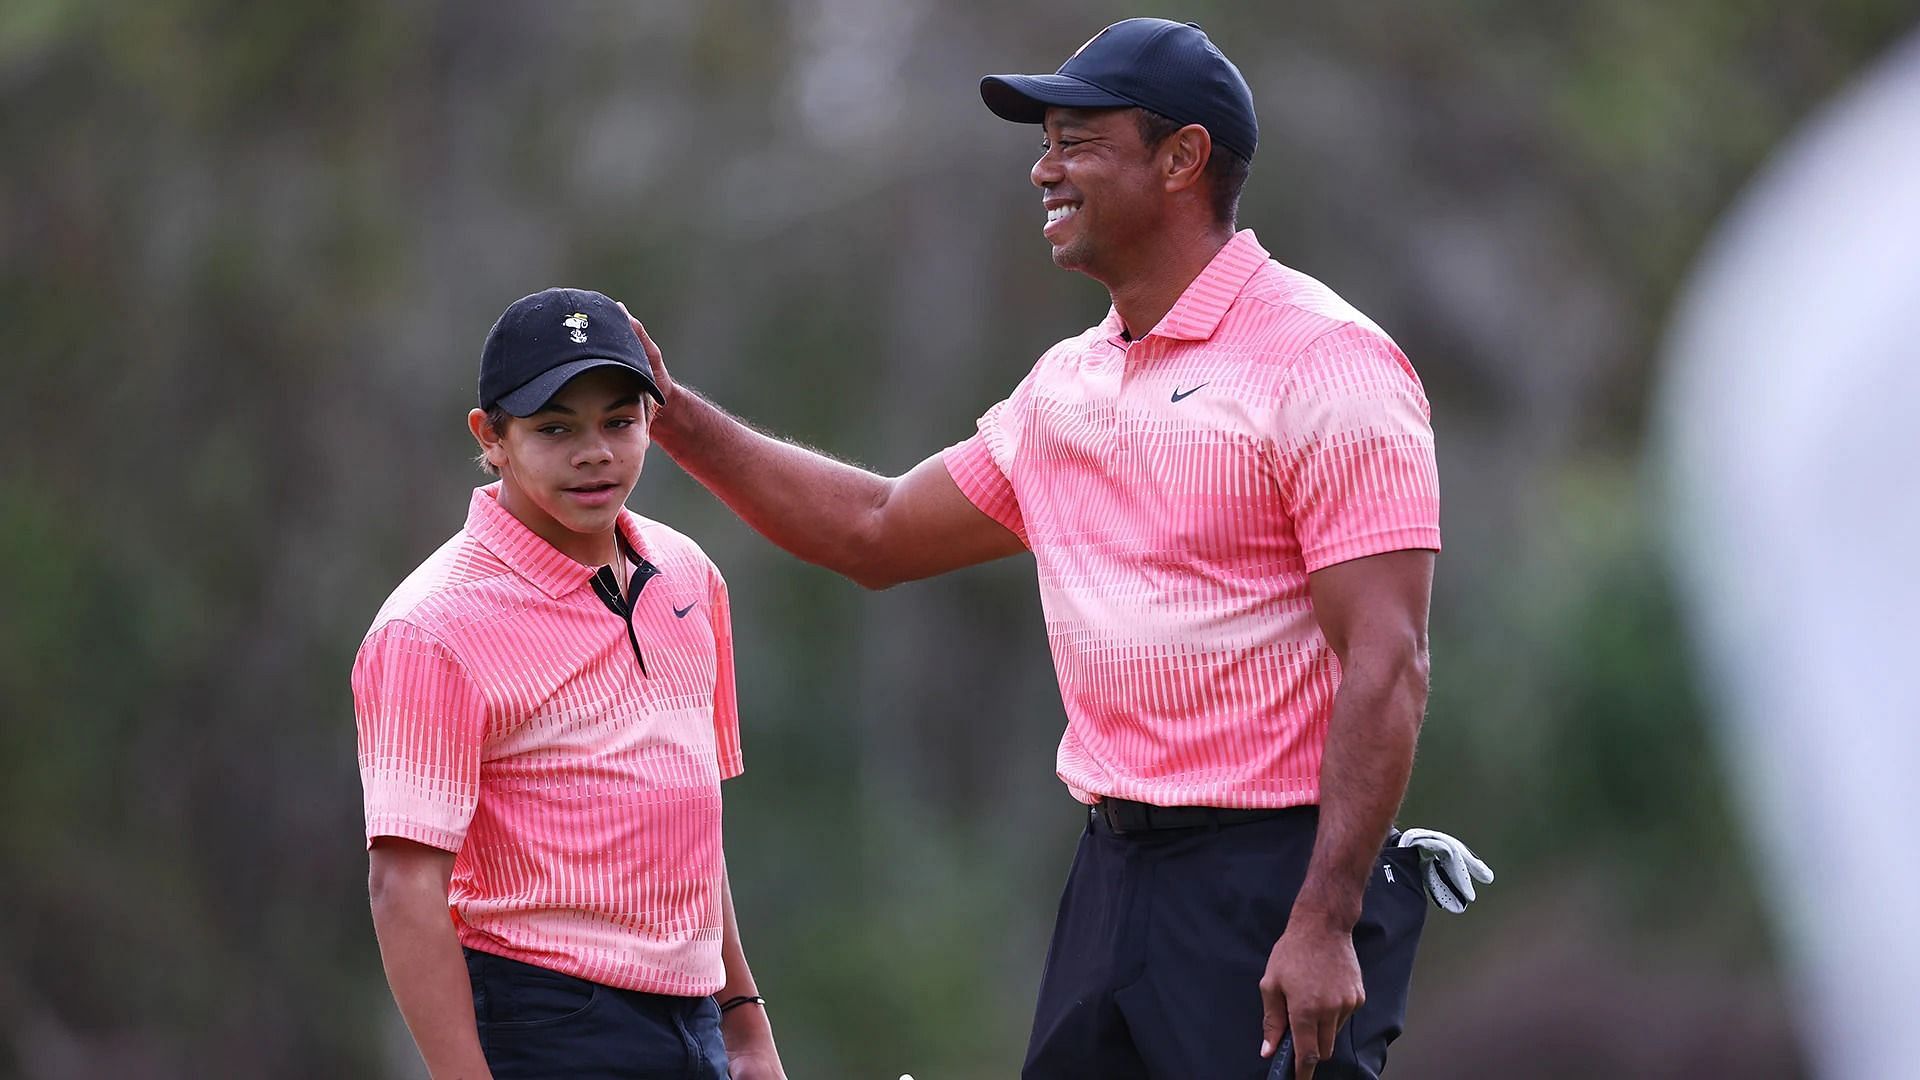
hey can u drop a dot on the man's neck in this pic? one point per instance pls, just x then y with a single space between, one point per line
1144 297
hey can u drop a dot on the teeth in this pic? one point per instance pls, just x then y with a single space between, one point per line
1061 213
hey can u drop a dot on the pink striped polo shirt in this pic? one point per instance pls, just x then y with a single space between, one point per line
1176 491
504 716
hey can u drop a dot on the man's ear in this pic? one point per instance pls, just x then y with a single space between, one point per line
1184 155
491 451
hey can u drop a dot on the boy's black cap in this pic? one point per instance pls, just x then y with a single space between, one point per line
1171 68
543 340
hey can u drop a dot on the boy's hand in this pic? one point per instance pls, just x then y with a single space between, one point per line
750 1051
755 1065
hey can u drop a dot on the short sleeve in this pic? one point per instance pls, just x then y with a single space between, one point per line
726 706
421 721
1354 439
982 465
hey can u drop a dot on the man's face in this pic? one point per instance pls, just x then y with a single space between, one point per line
1101 188
575 461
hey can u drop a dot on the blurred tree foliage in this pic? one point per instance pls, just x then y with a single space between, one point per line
247 255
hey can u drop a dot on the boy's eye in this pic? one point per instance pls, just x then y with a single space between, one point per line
552 429
621 422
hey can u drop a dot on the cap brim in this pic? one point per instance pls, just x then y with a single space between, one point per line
534 395
1024 99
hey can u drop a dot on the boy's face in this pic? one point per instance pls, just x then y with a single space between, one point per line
575 461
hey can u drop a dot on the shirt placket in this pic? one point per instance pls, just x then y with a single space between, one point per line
607 587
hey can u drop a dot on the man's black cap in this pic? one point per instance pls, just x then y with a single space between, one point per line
545 339
1168 67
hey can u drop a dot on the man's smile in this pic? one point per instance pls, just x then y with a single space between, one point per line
1058 212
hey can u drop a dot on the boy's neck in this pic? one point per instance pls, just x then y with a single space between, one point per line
588 549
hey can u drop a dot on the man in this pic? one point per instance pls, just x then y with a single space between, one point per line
546 712
1229 490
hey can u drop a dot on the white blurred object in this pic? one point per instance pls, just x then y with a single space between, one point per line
1789 423
1449 868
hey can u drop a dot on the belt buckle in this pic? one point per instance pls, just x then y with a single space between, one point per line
1104 811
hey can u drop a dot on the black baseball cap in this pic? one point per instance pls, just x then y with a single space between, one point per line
1171 68
543 340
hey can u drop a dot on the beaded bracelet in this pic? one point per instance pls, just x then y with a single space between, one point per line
743 999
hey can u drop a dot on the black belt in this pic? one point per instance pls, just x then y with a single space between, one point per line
1126 816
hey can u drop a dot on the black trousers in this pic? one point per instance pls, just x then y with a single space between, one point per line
540 1023
1162 938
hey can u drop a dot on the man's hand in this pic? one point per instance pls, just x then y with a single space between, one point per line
654 360
1311 987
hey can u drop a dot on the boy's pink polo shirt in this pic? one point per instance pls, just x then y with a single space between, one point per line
1176 491
502 716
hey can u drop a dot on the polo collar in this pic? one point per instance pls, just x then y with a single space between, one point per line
1197 314
525 553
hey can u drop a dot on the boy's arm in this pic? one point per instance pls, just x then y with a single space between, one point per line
407 886
745 1028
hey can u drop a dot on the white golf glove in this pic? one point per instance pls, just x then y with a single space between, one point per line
1449 867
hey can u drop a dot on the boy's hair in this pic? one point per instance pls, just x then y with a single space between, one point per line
498 418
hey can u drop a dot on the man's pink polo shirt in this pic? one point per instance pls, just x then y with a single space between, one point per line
504 717
1176 491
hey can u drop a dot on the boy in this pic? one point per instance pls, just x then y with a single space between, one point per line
546 710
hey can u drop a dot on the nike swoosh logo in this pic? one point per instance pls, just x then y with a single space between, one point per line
1179 394
681 612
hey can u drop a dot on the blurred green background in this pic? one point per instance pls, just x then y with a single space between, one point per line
248 253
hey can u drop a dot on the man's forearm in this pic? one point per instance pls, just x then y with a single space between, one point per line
819 509
422 958
1363 776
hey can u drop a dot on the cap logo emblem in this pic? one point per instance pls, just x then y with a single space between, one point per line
576 323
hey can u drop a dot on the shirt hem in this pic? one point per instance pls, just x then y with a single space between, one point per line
1419 538
430 835
480 942
964 464
1220 800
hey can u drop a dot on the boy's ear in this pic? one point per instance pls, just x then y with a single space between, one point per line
489 439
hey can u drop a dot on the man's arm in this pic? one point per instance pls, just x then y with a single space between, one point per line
1374 614
745 1028
877 530
407 886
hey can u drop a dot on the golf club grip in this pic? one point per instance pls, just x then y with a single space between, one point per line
1282 1059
